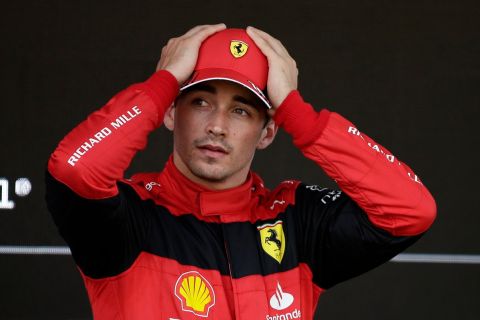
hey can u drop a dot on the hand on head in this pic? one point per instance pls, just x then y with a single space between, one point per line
180 54
282 72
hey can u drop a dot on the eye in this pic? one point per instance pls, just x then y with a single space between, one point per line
199 102
241 111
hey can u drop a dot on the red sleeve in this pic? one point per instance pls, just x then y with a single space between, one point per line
389 192
95 154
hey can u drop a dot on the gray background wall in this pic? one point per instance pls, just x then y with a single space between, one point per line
406 73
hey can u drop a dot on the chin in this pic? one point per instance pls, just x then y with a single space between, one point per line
213 173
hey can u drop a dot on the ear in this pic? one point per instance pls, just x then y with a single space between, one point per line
268 134
169 118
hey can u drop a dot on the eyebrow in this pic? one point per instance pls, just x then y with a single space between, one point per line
244 100
203 87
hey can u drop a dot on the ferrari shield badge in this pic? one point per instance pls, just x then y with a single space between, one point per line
273 240
238 48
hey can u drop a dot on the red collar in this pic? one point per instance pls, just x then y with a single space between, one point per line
185 196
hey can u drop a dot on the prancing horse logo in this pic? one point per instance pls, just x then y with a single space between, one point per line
238 48
273 239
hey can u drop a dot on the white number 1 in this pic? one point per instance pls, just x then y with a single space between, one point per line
4 202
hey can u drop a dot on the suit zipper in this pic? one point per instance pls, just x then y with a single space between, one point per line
235 309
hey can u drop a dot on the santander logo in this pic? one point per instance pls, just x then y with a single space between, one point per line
281 300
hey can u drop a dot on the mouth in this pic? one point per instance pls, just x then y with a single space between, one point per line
211 150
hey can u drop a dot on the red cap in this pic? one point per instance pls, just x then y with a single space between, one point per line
232 55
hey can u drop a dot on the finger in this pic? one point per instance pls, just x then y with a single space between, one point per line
261 42
194 30
207 28
207 32
272 41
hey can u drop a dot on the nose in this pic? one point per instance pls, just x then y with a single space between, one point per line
217 124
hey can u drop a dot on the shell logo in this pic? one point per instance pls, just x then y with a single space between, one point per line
195 293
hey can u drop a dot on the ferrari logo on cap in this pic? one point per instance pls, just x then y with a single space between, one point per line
238 48
273 240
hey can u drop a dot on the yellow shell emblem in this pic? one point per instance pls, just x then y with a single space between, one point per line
273 240
238 48
195 293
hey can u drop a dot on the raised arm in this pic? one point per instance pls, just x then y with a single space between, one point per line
103 221
95 154
384 187
382 207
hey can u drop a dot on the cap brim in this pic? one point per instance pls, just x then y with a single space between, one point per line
203 75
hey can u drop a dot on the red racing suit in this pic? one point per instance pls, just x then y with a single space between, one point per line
158 246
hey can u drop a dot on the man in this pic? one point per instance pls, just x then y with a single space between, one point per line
204 238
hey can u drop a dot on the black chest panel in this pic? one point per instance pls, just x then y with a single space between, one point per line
238 249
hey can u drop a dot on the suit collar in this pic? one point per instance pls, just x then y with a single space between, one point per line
199 199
